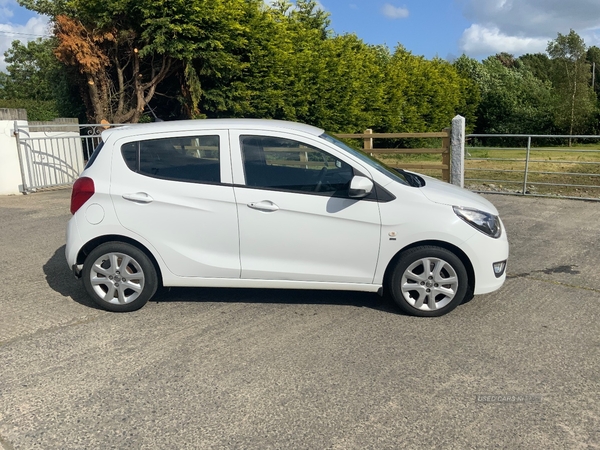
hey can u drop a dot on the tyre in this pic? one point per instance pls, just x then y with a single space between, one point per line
119 277
428 281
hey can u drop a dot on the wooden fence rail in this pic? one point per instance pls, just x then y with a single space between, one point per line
444 166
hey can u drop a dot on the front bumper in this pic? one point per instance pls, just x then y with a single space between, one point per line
484 252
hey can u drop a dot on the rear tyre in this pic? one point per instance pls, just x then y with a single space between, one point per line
119 277
428 281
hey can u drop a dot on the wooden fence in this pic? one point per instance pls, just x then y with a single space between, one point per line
444 166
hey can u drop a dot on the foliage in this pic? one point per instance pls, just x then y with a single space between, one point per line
539 64
36 109
513 101
37 81
123 49
572 79
421 95
281 60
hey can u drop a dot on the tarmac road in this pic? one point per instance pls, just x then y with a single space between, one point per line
261 369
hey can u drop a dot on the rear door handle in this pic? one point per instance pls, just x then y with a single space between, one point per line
265 205
138 197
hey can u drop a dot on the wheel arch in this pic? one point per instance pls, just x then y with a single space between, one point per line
445 245
91 245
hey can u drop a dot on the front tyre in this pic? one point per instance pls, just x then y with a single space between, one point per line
428 281
119 277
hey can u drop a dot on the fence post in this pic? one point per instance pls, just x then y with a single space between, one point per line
446 155
527 157
23 187
368 142
457 152
11 167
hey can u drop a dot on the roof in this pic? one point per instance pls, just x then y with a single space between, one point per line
208 124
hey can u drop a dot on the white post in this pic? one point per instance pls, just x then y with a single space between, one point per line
457 152
10 168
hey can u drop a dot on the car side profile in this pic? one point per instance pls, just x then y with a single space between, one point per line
272 204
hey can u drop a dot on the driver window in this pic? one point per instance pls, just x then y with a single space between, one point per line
286 164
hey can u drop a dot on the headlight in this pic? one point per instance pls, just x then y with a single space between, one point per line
485 222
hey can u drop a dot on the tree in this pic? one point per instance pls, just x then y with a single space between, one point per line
472 77
538 64
514 101
593 58
421 95
572 79
37 81
507 60
124 49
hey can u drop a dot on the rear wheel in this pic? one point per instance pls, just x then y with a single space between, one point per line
119 277
428 281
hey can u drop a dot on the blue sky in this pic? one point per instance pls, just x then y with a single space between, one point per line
444 28
425 27
478 28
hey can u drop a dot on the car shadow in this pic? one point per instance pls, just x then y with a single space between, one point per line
60 279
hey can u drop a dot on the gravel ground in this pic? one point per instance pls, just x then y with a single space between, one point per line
260 369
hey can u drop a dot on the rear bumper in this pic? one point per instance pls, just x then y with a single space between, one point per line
76 270
73 246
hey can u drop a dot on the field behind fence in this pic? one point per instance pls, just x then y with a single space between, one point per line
534 165
513 164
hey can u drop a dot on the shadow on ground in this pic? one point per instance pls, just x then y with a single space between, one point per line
60 279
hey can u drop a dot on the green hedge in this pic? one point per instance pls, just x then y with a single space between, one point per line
36 109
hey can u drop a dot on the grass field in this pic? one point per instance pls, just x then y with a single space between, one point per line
565 171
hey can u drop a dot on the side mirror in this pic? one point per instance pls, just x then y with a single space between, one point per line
360 187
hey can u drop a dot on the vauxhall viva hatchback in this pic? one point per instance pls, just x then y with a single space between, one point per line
273 204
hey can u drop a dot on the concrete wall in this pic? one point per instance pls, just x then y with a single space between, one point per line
10 168
51 153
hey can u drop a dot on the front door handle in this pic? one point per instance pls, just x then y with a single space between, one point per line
265 205
138 197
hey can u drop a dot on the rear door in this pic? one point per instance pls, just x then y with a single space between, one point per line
174 190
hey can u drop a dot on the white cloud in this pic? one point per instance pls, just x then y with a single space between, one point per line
477 40
535 17
592 38
394 12
6 12
35 27
526 26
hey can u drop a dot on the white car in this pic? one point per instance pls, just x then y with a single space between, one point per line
273 204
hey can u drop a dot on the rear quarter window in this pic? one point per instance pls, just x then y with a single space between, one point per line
193 159
94 155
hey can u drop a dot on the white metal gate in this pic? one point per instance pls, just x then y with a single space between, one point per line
53 155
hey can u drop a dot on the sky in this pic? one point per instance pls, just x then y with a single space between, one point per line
443 28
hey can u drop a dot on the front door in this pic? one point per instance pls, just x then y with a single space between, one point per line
296 219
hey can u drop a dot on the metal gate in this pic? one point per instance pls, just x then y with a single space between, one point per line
535 165
53 155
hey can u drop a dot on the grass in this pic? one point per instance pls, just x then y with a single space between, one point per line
503 169
551 171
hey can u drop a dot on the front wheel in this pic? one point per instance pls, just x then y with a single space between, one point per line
428 281
119 277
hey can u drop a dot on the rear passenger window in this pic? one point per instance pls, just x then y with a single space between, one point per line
192 158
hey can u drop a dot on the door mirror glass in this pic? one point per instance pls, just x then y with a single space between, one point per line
360 187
